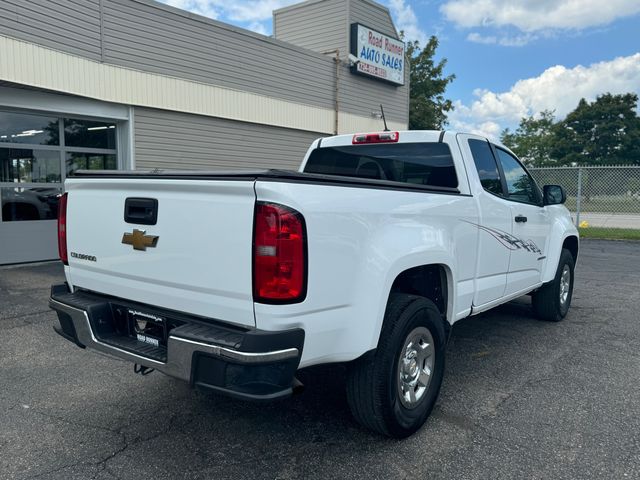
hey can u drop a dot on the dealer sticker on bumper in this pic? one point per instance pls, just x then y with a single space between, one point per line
150 340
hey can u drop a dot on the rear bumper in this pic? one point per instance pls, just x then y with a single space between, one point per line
250 364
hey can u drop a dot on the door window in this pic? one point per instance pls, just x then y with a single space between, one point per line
37 203
29 166
486 166
28 128
37 152
89 134
520 185
90 161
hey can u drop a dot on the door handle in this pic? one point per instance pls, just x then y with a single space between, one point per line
520 219
141 211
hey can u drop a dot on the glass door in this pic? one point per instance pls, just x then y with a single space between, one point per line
37 152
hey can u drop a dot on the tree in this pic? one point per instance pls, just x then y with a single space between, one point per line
427 105
603 132
533 141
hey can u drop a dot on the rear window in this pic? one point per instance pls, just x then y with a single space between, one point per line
428 164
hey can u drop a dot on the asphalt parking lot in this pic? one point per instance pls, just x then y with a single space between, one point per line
521 399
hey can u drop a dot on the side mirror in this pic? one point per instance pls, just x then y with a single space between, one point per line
553 195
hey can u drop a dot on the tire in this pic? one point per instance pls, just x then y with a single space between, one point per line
374 381
547 302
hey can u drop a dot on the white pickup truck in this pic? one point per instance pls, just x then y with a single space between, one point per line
365 256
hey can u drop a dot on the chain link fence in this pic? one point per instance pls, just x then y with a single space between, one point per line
606 198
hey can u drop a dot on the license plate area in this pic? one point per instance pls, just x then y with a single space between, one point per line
147 328
136 328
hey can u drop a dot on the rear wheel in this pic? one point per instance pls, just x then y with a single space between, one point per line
393 389
552 301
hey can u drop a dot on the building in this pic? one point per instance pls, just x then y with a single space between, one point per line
135 84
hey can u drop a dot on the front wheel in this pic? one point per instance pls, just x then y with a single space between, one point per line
393 389
552 301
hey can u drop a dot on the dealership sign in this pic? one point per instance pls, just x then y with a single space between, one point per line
377 55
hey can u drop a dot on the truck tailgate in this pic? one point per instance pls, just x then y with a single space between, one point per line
201 261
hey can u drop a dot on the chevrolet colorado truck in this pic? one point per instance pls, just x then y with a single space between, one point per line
232 281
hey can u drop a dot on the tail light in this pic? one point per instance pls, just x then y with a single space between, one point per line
62 229
383 137
279 255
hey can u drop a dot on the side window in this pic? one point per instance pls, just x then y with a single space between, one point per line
486 166
520 186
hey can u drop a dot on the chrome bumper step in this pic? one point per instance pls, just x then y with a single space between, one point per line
193 349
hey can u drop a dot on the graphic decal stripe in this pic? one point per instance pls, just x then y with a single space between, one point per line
510 241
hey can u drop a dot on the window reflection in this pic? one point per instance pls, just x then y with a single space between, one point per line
32 152
28 128
486 166
29 166
89 133
90 161
520 186
416 163
20 204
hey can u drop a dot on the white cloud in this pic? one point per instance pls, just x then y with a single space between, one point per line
537 15
558 88
475 37
504 40
254 10
206 8
406 20
256 14
258 27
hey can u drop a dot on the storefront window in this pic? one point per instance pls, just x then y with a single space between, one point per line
28 128
89 134
35 159
90 161
29 166
39 203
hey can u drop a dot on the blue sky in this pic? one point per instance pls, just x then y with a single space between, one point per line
511 58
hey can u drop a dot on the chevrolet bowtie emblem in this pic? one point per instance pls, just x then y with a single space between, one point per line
139 240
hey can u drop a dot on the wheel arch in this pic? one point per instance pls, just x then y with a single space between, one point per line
563 235
572 244
430 281
433 281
